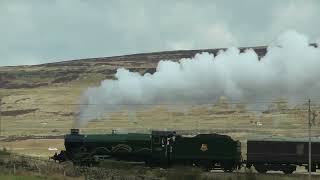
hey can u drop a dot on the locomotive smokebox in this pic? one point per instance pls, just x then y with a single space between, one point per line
74 131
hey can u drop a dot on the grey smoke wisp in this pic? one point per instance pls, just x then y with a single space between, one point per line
290 69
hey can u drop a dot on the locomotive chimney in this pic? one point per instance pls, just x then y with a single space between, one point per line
74 131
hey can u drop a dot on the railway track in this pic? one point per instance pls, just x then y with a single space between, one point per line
301 172
20 138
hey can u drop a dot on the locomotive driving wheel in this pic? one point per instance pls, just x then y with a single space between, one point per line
227 166
261 168
288 171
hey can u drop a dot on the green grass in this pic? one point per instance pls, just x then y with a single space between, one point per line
14 177
36 177
4 152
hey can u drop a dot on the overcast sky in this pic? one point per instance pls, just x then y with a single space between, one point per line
40 31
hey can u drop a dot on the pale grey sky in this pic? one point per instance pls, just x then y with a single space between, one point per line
40 31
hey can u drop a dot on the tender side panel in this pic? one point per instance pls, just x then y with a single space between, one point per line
207 147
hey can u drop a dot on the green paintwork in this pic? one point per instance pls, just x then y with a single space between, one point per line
208 147
116 137
132 145
159 147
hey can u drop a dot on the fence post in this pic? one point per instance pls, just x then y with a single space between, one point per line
38 168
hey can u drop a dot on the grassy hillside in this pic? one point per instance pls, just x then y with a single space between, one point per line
41 100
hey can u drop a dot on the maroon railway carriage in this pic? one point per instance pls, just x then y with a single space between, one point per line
282 153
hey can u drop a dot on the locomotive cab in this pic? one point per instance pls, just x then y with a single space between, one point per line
161 146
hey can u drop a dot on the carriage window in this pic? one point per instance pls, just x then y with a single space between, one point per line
156 140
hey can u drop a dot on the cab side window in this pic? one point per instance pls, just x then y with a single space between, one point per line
156 140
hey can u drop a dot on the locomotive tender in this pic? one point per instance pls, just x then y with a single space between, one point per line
208 151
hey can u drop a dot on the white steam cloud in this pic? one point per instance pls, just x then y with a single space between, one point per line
289 69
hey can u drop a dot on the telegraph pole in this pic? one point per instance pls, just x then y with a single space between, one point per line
309 133
0 114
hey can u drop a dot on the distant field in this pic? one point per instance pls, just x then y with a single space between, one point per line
52 111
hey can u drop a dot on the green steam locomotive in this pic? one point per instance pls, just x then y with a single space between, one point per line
160 148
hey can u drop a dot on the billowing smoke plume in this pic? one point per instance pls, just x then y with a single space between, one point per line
291 69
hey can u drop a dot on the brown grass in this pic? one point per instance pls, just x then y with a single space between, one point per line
54 118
